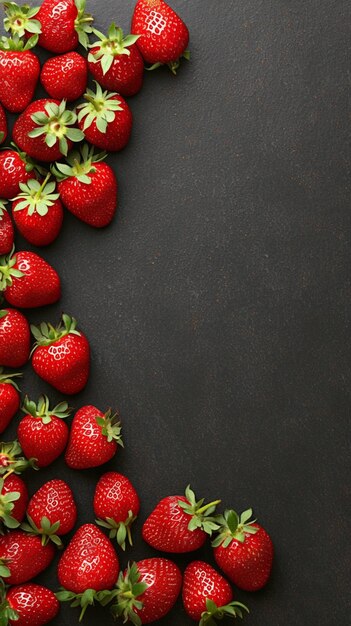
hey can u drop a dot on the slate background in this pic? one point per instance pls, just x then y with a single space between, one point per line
217 304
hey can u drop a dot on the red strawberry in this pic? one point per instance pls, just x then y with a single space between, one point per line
44 130
180 524
29 605
65 76
116 504
24 555
61 356
37 212
94 438
244 551
12 459
164 37
15 168
105 119
116 62
13 500
19 73
42 433
7 233
14 338
207 595
10 398
88 188
3 125
64 24
28 281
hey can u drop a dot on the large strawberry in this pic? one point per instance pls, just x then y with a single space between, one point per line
207 595
10 398
244 551
105 119
116 62
94 438
28 281
61 355
37 212
87 187
64 25
180 523
45 130
163 37
116 505
28 605
19 72
12 459
14 338
42 433
24 555
15 168
65 76
13 500
3 125
7 233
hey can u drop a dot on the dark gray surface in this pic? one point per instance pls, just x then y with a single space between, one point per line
217 304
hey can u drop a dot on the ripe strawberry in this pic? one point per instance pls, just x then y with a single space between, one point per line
94 438
116 62
180 524
65 76
42 433
19 72
24 555
10 399
116 504
87 187
207 595
7 233
14 338
13 500
3 125
28 281
12 459
163 37
15 168
105 119
44 130
61 355
37 212
29 605
244 551
64 24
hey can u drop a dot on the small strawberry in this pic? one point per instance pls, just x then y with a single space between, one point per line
164 37
28 605
15 168
88 565
64 24
42 433
87 187
3 125
13 500
116 63
94 438
116 504
243 550
14 338
65 76
61 355
37 212
180 524
207 595
45 130
7 233
12 459
10 399
19 72
28 281
24 555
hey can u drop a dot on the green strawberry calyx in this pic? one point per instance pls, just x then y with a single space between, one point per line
12 459
110 46
55 124
120 531
36 197
19 19
173 65
83 23
234 527
4 572
80 164
8 270
16 44
83 600
125 596
30 165
8 378
3 209
101 107
42 410
46 334
233 609
201 515
7 505
8 615
110 427
46 530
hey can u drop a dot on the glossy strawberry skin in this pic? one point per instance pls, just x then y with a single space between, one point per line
14 338
165 581
39 286
57 25
3 125
12 173
9 404
89 561
65 76
27 555
7 232
126 74
35 605
39 230
114 497
202 582
118 132
15 483
87 446
19 74
55 501
43 442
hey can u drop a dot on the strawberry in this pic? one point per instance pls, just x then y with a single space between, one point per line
207 595
28 281
88 565
116 62
116 504
7 233
13 500
10 399
3 125
94 438
180 524
42 433
65 76
105 119
12 459
44 130
61 355
19 72
14 338
37 212
163 37
87 187
244 551
24 555
64 24
15 168
28 605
